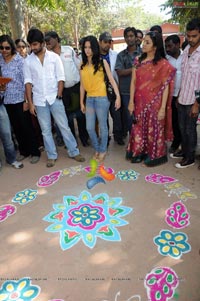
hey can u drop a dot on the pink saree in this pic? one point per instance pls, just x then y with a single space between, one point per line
148 135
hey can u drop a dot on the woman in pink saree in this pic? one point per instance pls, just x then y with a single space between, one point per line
150 103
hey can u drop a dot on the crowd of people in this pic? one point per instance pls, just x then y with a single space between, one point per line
156 86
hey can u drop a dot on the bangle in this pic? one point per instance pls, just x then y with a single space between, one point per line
25 101
59 97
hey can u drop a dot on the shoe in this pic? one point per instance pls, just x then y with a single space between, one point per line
120 141
184 164
155 162
21 157
34 159
78 158
41 148
50 162
177 154
17 165
173 149
59 141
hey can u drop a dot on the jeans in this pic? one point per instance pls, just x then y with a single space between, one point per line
5 135
126 117
44 117
97 107
188 130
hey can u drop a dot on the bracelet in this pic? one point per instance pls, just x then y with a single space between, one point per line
59 97
25 101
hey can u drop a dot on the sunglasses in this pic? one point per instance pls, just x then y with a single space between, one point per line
5 47
21 46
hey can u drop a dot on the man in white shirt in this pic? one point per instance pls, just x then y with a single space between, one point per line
71 91
44 80
174 56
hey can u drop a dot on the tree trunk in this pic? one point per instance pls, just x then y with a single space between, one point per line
16 18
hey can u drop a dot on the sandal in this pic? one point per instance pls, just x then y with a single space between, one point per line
101 157
96 156
138 159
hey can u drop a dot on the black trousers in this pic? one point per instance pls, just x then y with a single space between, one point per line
175 124
117 121
188 128
23 129
71 101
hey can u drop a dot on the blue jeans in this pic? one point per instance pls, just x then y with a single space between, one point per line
44 117
188 129
97 107
5 135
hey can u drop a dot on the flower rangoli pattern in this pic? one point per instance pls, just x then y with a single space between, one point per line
86 218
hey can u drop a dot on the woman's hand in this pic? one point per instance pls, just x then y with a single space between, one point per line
82 108
117 103
2 87
25 106
131 107
161 114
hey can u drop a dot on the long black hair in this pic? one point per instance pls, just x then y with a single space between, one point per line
158 43
7 38
96 59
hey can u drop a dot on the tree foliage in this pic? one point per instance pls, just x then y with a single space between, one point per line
182 15
73 19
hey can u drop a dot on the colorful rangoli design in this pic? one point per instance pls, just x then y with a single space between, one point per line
6 210
25 196
172 244
72 171
161 283
127 175
180 191
177 216
50 179
21 290
86 218
156 178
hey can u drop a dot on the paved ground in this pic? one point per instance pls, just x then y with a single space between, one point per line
97 266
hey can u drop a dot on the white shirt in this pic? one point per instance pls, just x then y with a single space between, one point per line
71 63
176 63
113 57
44 77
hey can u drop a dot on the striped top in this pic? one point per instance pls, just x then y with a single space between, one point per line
190 69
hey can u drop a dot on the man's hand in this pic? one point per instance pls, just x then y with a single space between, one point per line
32 109
194 110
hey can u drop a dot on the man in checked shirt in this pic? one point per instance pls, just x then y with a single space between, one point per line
188 107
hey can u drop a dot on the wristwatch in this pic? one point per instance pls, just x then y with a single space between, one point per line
59 97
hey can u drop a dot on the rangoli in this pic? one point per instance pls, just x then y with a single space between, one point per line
87 218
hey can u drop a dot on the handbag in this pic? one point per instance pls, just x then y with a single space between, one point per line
109 89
